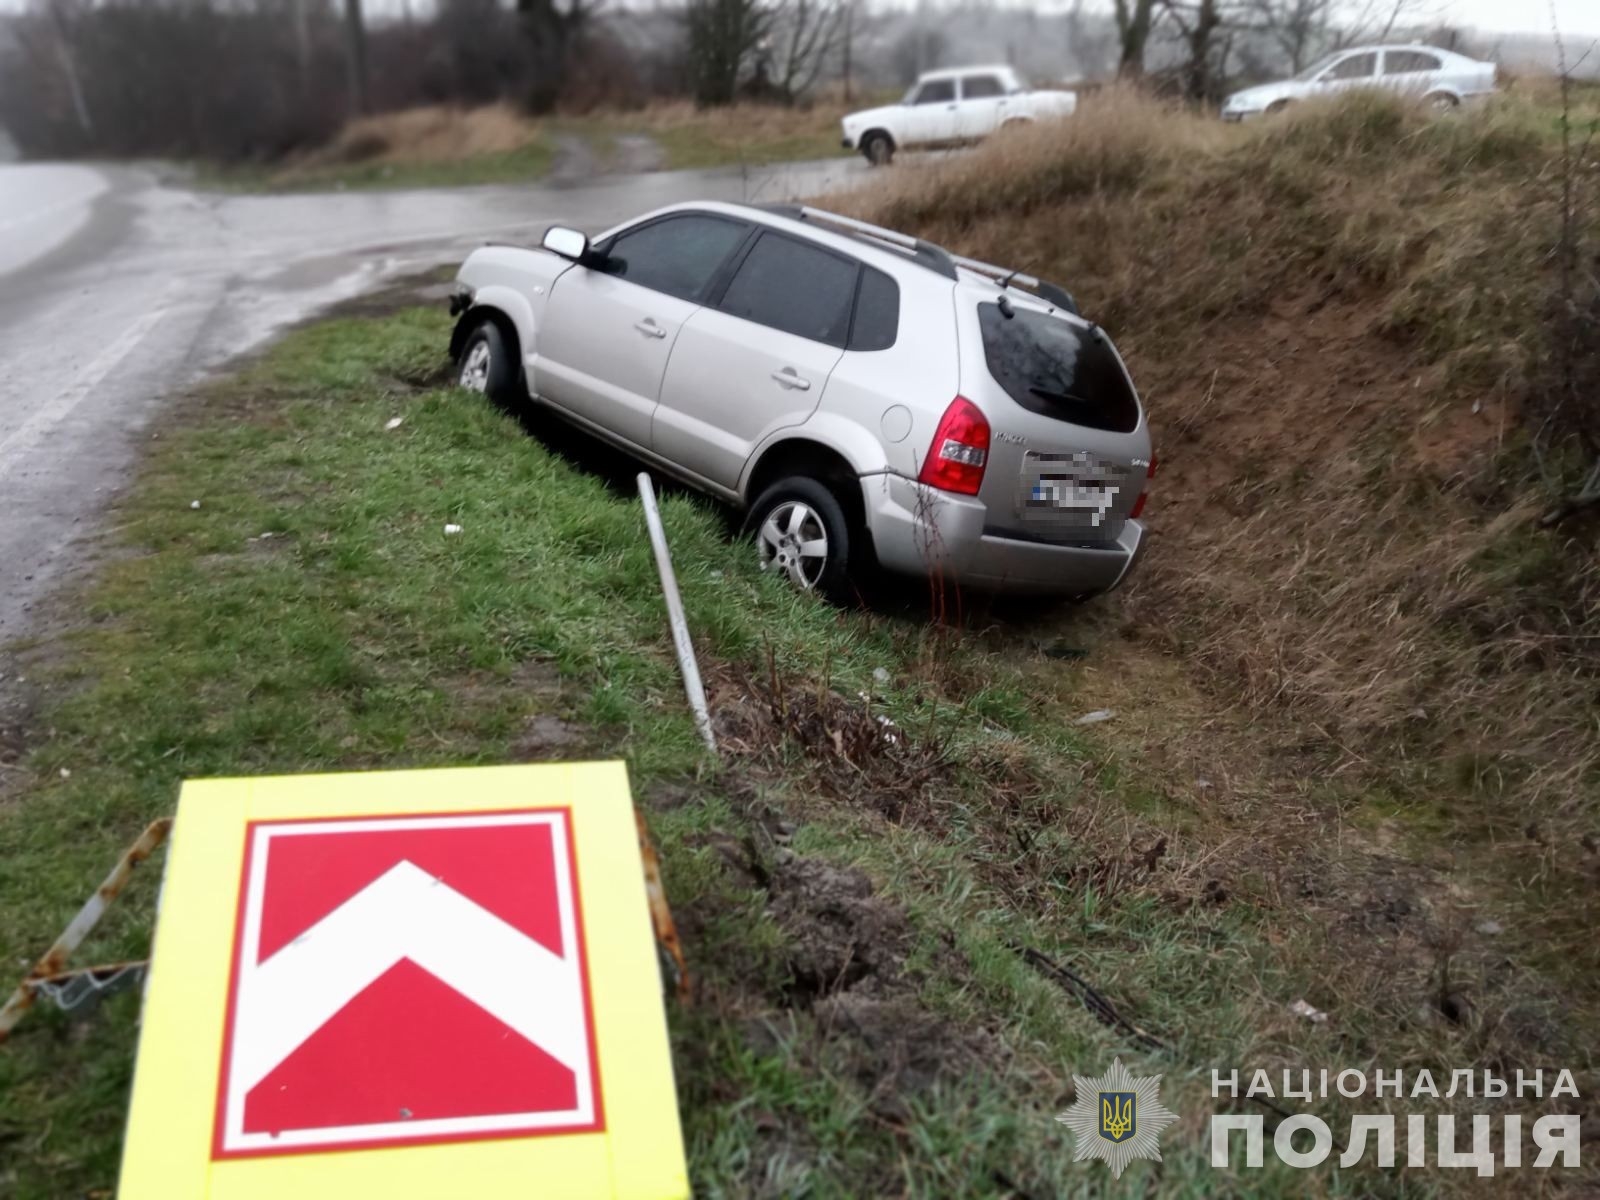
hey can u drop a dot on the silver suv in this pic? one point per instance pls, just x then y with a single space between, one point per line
862 395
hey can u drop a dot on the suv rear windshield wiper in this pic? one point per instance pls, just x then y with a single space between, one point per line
1049 393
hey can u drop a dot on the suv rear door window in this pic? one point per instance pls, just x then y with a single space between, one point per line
794 287
676 255
877 319
1058 368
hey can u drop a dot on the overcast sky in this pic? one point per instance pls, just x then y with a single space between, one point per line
1575 17
1578 19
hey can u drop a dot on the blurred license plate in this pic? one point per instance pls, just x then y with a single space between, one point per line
1075 490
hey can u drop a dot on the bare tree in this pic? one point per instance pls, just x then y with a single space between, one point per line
1299 28
301 14
1090 40
847 42
722 35
355 52
65 55
1208 30
806 35
918 50
1135 20
552 33
1363 21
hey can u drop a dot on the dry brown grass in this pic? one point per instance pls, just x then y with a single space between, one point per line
743 133
443 133
754 121
1337 320
436 134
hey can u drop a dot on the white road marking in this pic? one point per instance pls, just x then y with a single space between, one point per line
60 406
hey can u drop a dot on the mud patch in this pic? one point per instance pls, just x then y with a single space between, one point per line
852 752
850 1006
547 736
575 160
636 153
895 1048
422 290
667 795
841 934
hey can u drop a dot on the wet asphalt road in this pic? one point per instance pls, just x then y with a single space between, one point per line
118 291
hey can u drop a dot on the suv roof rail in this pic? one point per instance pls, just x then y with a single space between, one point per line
1005 277
935 258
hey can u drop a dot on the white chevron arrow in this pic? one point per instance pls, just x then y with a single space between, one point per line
406 914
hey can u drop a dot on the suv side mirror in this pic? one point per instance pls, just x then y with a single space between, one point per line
568 243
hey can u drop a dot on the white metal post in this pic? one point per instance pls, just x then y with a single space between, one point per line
680 627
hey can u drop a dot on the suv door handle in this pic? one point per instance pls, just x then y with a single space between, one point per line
649 328
789 378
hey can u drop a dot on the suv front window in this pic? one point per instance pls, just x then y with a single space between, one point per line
677 255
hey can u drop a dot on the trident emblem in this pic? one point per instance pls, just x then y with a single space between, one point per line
1117 1115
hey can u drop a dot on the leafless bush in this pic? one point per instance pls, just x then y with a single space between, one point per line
229 82
140 79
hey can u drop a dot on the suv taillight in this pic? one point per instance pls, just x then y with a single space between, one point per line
1138 505
960 450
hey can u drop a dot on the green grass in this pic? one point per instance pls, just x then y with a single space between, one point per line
361 636
699 146
526 164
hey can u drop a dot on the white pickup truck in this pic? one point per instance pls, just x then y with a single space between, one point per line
951 107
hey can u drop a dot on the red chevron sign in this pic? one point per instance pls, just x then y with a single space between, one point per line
407 979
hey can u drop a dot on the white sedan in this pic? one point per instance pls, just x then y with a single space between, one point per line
952 108
1441 77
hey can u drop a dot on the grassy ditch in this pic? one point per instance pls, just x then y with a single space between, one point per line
852 894
1342 326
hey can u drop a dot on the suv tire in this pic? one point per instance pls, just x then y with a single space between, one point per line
485 365
801 531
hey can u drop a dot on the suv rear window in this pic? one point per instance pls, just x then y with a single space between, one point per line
1058 369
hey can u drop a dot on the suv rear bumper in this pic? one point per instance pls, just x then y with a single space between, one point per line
917 530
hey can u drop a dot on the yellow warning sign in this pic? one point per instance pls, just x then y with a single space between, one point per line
405 984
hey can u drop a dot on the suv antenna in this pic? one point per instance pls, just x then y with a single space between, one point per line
1005 280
